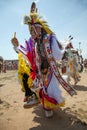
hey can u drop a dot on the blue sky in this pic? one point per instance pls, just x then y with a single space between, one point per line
65 17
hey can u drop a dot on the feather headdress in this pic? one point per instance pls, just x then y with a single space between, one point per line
35 19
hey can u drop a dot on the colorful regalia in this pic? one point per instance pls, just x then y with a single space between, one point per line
70 64
48 50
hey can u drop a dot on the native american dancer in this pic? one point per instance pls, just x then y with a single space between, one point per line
70 63
43 63
47 50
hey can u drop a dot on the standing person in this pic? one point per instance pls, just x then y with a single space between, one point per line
48 50
43 62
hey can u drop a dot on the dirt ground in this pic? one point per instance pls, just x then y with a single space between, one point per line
14 117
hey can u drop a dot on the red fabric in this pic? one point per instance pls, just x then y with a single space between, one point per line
50 99
31 57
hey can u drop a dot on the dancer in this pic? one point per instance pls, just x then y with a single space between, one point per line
48 50
70 64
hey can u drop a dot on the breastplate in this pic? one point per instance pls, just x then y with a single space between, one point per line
43 58
40 49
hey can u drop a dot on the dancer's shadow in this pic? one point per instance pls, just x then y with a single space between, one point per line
61 120
80 87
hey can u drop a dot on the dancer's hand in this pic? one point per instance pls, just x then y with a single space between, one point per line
14 40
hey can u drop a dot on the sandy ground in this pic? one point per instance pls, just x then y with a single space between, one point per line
14 117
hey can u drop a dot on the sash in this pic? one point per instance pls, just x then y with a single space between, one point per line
54 67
